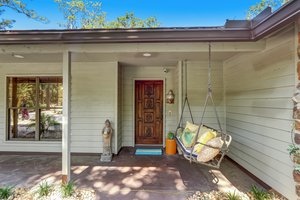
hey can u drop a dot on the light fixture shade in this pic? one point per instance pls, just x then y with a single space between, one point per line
170 97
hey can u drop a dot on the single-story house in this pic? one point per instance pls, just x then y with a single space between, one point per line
59 86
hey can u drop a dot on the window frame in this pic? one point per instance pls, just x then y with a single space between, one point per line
37 108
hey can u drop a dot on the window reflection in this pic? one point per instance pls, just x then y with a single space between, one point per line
33 100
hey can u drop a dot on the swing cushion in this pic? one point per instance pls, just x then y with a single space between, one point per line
203 139
179 132
207 153
188 136
184 150
191 127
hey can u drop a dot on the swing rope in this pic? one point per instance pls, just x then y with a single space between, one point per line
186 101
208 97
226 139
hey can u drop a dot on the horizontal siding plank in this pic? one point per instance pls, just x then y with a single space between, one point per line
284 103
267 145
280 135
263 121
262 112
277 166
261 94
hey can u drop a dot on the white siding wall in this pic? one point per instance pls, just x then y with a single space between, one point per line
32 69
197 77
93 100
259 87
129 73
94 96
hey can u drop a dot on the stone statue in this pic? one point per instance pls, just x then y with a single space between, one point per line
106 136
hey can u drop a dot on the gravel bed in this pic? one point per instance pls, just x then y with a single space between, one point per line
218 195
55 194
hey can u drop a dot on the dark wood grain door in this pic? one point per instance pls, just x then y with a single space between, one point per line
149 112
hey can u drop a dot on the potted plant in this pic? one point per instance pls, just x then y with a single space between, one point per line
170 144
297 124
294 152
297 138
296 135
296 174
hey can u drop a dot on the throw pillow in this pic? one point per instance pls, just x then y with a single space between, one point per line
207 153
203 139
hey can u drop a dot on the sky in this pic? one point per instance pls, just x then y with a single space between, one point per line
170 13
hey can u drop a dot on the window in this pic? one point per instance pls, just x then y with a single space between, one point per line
34 108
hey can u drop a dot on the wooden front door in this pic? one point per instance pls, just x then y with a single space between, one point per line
149 112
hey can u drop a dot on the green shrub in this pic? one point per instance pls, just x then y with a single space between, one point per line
44 189
68 189
171 136
6 192
293 150
233 196
259 194
297 169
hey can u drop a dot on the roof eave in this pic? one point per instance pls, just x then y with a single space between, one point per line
284 16
151 35
277 20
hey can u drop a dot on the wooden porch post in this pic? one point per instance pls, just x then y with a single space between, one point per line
66 155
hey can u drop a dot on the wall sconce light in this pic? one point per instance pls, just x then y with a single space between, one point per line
170 97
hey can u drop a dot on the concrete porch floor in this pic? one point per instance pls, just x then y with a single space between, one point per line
127 176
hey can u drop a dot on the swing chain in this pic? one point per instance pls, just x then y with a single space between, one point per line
209 69
185 81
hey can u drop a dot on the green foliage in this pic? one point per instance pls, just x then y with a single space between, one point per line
86 14
68 189
297 169
263 4
259 194
20 7
171 136
6 192
26 91
44 189
81 14
293 150
46 121
130 21
233 196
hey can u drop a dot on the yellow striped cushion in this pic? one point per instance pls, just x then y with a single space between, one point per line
203 139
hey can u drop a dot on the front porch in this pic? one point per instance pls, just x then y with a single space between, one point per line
128 176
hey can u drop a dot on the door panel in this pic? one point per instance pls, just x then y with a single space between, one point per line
148 112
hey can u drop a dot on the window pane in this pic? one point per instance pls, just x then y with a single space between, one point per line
22 123
51 92
22 92
51 124
28 96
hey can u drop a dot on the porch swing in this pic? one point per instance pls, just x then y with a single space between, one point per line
211 151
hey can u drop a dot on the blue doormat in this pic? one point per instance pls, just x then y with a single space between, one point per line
148 152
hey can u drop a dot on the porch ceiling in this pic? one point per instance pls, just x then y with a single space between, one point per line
132 58
156 58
